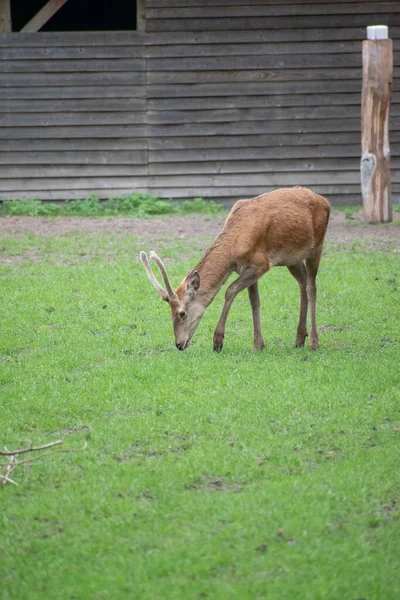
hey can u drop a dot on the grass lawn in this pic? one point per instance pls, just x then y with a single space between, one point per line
235 475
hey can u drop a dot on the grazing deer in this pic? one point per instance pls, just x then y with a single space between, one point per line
283 228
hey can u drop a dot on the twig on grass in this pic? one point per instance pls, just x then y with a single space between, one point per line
13 462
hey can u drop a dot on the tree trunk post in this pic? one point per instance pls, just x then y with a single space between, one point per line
375 104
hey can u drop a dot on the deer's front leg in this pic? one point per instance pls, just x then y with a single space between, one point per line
246 279
255 307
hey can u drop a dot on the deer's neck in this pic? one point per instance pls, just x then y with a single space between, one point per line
214 269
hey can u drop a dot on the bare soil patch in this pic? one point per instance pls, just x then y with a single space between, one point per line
341 230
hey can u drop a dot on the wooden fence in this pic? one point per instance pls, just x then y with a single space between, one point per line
217 99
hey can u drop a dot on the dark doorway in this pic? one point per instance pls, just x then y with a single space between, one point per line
79 15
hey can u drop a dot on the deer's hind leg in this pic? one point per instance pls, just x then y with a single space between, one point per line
255 307
312 265
299 272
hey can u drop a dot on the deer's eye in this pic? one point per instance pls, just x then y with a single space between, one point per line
182 314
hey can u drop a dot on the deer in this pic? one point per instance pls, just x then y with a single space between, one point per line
285 227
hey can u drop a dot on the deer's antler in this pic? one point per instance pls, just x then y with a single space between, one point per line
168 295
155 258
151 276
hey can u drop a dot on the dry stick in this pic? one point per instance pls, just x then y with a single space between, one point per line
7 452
14 462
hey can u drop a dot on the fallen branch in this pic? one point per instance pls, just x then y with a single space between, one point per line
13 462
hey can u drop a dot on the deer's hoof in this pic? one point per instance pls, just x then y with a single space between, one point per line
314 344
259 346
218 341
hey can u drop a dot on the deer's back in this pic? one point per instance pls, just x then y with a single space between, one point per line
287 224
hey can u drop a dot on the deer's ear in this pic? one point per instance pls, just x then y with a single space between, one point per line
193 282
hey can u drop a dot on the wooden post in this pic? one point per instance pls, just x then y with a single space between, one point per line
141 15
5 16
375 105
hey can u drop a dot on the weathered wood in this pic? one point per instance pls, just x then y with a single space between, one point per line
44 15
70 194
254 179
227 10
257 127
115 65
75 183
71 79
247 49
283 61
73 157
262 89
240 23
134 38
5 16
82 131
251 166
207 3
141 15
236 102
258 141
278 153
72 105
231 115
245 191
375 160
57 144
76 52
74 172
73 92
72 119
248 75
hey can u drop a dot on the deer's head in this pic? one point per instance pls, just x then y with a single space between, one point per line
186 307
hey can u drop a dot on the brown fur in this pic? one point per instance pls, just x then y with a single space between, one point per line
282 228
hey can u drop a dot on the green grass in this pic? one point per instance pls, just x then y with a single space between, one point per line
135 205
234 475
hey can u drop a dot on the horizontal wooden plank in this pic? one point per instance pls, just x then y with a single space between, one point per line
73 157
72 105
160 117
259 127
73 119
83 131
271 10
283 153
75 54
258 140
249 75
86 143
87 39
209 3
71 79
74 92
295 22
252 62
68 194
71 53
74 172
251 166
247 102
255 179
249 49
267 35
300 89
115 65
36 184
244 191
72 38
